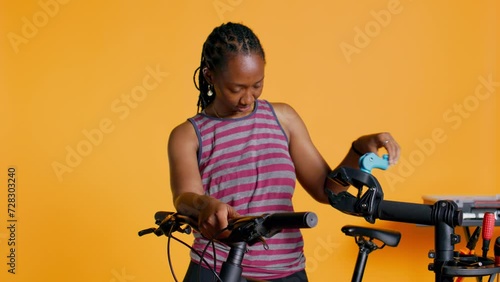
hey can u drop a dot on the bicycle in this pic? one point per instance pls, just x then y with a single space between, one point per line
370 204
245 230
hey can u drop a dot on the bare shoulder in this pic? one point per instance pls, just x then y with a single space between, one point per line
284 111
289 118
183 135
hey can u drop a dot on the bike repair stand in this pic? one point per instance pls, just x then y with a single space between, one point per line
443 215
448 263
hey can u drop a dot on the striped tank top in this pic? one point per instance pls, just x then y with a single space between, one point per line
245 162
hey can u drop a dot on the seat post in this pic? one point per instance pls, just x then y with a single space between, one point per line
364 237
365 248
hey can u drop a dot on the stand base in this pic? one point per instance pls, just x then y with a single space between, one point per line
470 271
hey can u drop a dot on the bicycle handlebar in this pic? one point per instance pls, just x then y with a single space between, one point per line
371 203
289 220
249 229
443 211
245 230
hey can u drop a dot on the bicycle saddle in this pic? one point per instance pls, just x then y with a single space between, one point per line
388 237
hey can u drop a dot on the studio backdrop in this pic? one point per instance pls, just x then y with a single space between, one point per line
90 90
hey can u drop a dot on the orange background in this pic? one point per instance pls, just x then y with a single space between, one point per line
91 89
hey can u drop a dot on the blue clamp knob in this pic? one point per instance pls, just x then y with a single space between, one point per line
370 161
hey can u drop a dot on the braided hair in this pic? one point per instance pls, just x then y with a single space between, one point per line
225 40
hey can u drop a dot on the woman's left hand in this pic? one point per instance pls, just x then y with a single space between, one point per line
373 142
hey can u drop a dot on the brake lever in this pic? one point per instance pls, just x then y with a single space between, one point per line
147 231
169 222
248 229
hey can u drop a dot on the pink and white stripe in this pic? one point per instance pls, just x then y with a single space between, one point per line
245 163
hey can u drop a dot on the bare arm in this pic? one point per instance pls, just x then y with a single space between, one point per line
312 170
185 182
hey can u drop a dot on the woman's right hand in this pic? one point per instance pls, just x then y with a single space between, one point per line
213 218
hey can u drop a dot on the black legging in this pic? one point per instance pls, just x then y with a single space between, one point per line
206 275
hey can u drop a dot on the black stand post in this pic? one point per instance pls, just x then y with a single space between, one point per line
444 248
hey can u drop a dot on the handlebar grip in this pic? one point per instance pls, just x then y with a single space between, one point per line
291 220
161 215
442 211
405 212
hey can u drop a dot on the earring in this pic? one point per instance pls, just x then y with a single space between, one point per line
210 93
